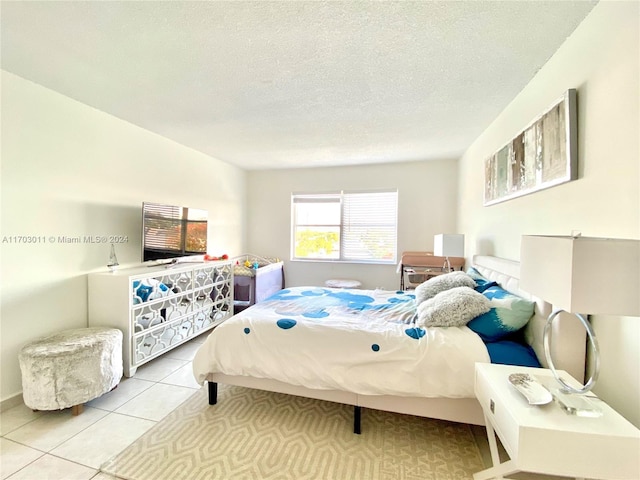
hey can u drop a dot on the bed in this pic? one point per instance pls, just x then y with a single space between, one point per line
390 365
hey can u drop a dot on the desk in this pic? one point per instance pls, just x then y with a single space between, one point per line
417 275
421 266
545 439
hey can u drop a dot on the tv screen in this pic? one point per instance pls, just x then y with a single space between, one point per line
170 231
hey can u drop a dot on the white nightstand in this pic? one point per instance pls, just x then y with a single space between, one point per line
545 439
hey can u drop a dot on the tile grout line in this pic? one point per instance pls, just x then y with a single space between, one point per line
98 471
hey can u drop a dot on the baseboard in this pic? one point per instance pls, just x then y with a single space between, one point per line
11 402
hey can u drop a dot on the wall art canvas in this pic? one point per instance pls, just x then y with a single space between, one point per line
543 155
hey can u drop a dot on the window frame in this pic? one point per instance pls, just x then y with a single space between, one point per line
339 197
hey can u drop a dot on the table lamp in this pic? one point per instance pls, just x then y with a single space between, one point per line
582 276
448 245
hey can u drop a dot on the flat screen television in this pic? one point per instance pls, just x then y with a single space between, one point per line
171 231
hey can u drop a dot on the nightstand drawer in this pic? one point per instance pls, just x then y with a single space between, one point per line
493 406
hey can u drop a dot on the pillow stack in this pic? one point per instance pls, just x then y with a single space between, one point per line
508 314
449 300
499 327
441 283
468 298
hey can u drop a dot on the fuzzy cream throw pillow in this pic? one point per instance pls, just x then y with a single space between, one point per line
452 308
446 281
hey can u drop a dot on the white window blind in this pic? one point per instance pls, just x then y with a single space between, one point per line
345 226
369 226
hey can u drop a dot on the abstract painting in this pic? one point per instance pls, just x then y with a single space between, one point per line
543 155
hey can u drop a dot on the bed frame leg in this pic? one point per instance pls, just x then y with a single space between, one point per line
213 393
357 417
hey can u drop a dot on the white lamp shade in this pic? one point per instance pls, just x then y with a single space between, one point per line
583 275
448 245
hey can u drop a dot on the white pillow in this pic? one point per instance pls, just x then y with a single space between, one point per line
452 308
440 283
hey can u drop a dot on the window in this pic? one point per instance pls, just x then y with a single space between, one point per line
345 226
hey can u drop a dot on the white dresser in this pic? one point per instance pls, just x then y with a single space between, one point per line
158 308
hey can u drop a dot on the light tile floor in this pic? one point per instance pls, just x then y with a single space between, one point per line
59 446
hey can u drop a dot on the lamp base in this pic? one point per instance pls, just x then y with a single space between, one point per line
578 405
546 343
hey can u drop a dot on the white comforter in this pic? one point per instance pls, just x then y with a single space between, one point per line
362 341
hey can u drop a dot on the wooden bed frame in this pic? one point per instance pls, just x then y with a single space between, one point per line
568 352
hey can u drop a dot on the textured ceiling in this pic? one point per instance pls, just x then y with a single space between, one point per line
263 84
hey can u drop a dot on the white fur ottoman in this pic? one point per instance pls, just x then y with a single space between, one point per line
70 368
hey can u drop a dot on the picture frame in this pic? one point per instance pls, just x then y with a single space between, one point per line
541 156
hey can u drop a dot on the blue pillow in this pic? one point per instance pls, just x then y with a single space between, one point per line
482 283
508 352
508 314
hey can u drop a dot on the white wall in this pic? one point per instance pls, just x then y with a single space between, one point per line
600 60
426 206
70 170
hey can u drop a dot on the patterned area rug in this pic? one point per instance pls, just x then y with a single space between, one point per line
252 434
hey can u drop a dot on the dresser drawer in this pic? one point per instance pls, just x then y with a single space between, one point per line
161 339
204 277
